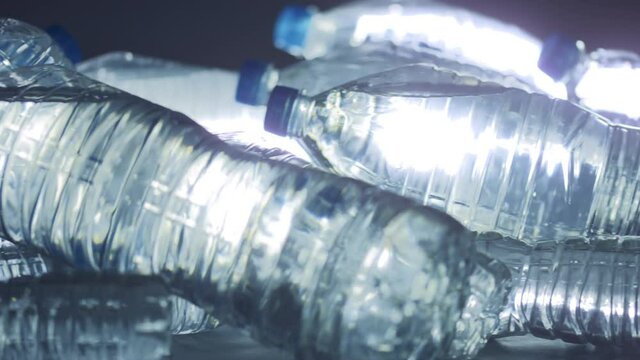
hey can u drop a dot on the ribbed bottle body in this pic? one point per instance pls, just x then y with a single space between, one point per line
524 165
84 318
306 260
579 290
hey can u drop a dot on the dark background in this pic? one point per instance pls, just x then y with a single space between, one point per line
222 33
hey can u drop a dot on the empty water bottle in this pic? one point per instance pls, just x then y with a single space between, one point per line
257 79
607 81
84 317
459 34
25 262
579 290
496 159
24 45
327 266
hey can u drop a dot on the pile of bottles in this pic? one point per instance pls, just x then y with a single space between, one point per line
423 179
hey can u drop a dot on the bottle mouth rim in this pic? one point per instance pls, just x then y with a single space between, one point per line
280 108
291 28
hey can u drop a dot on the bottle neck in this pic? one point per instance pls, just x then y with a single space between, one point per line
299 117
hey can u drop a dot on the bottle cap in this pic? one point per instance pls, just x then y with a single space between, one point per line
66 42
559 55
291 27
252 86
279 109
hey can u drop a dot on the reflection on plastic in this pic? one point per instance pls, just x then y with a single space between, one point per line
612 90
84 317
525 165
262 244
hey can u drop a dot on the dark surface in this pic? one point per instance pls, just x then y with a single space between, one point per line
224 33
230 344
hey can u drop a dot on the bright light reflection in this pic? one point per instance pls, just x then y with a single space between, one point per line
423 139
505 50
611 89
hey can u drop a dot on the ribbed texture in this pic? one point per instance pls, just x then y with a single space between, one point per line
22 261
524 165
24 45
308 261
84 318
577 291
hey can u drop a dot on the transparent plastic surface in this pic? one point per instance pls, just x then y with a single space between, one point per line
24 45
321 74
458 33
578 290
73 317
497 159
324 266
25 262
490 285
205 95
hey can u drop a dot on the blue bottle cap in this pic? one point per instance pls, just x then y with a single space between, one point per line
251 88
559 55
66 42
292 25
279 109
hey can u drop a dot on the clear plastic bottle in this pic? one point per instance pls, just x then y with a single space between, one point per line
322 265
24 45
25 262
606 81
578 290
84 317
497 159
257 79
458 33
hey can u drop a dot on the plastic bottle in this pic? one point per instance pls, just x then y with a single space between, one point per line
84 317
24 45
497 159
459 34
297 256
25 262
257 79
578 290
606 81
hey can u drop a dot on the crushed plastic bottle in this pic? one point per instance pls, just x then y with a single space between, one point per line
257 79
606 81
497 159
84 317
25 262
295 255
24 45
458 33
578 290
